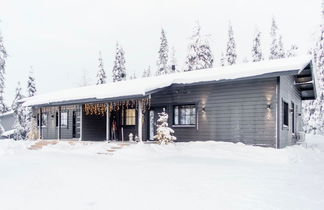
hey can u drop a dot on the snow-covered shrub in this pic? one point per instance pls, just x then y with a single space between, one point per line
163 132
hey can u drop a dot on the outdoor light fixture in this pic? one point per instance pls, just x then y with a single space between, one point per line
268 106
203 109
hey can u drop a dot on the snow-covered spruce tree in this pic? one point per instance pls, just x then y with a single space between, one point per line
199 52
164 134
3 56
147 72
30 122
276 47
162 63
133 76
101 75
314 110
292 52
173 61
222 59
20 114
230 55
257 54
119 69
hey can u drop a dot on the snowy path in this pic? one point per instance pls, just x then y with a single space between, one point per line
195 175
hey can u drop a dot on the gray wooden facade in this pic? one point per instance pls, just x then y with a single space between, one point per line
248 110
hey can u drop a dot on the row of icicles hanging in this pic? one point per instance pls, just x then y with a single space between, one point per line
101 109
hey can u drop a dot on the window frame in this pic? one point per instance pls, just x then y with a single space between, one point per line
67 119
178 116
285 117
125 116
293 115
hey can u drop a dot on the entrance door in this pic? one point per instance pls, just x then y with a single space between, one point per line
153 117
74 124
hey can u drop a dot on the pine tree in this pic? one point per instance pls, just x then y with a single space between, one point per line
276 47
231 55
199 52
133 76
162 63
147 72
3 56
173 61
292 52
119 69
256 48
20 113
31 91
101 75
31 86
164 134
314 110
222 59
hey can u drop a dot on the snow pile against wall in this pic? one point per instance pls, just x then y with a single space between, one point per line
143 86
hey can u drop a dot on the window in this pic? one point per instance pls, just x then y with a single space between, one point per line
44 120
184 115
293 117
285 119
64 119
37 120
130 117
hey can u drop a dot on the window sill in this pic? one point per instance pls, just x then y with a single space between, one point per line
183 126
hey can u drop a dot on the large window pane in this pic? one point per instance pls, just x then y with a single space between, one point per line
130 116
184 115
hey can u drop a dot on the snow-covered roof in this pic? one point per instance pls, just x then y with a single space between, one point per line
144 86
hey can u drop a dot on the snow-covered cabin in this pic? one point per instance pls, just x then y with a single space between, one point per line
255 103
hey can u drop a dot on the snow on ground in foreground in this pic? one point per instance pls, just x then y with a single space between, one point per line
196 175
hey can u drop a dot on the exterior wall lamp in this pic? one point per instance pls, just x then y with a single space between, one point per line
268 106
203 109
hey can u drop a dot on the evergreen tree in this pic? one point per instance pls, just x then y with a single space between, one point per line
292 52
31 86
101 75
256 48
147 72
164 134
119 69
231 55
162 62
31 91
20 113
314 110
222 59
276 47
3 56
133 76
199 52
173 61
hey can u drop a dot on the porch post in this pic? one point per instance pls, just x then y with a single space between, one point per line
81 119
107 122
40 123
59 123
139 120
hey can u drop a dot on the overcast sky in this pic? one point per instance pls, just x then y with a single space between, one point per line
61 39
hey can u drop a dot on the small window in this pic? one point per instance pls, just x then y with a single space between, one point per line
293 117
44 120
285 113
56 119
64 119
130 117
184 115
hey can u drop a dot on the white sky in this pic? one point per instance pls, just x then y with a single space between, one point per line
61 38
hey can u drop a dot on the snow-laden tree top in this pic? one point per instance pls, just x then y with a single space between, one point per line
143 86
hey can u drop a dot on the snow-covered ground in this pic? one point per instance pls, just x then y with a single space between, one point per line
196 175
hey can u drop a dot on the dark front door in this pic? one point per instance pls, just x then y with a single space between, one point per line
115 125
153 117
74 124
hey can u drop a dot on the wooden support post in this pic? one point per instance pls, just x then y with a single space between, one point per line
40 123
81 120
139 120
107 123
59 123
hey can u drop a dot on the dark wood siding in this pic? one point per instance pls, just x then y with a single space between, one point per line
290 94
235 111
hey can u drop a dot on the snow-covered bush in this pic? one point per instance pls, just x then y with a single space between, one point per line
163 132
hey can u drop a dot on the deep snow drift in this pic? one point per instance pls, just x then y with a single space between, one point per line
196 175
